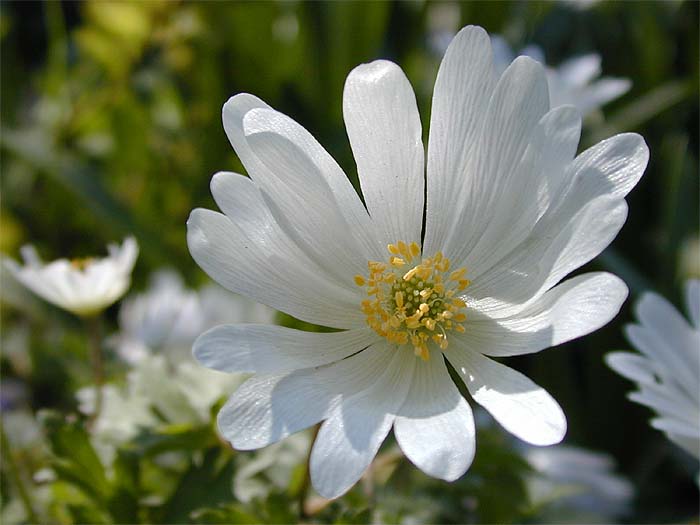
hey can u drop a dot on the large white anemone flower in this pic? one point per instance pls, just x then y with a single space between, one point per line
575 81
668 371
81 286
509 213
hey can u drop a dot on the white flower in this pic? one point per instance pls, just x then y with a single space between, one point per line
84 287
576 485
505 198
182 393
668 371
573 81
169 317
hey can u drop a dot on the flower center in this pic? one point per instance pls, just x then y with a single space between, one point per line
81 263
413 304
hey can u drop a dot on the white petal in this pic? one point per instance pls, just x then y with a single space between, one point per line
463 88
611 167
588 209
523 408
237 259
692 299
267 408
299 197
268 349
551 147
676 427
579 71
666 337
572 309
435 426
667 403
551 252
243 203
232 115
383 125
601 92
345 200
518 103
632 366
350 437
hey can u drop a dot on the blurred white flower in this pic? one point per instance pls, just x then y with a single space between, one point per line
168 317
505 197
84 287
271 468
21 428
157 329
575 485
156 390
575 81
668 371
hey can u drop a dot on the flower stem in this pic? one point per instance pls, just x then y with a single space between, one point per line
306 482
15 474
94 325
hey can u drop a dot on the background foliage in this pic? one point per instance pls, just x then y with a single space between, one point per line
111 125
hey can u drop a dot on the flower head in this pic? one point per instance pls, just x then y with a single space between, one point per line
575 81
668 370
469 273
81 286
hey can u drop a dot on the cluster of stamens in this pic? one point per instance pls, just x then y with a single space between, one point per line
81 263
414 304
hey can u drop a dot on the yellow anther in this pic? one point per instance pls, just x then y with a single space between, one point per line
359 280
409 274
458 274
398 298
458 302
415 249
398 262
393 249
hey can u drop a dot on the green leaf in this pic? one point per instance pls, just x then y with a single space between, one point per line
233 513
75 459
204 485
123 501
151 442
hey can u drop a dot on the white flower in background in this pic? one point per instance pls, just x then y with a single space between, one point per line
575 81
157 329
169 316
668 371
157 392
505 198
575 485
83 286
271 468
